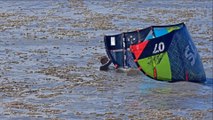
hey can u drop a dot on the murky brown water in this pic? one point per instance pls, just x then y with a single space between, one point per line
49 61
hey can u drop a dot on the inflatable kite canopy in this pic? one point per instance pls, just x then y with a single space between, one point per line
164 53
118 47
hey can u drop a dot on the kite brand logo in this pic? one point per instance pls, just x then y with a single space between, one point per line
190 55
159 48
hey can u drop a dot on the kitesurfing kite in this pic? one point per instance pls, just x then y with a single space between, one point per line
165 53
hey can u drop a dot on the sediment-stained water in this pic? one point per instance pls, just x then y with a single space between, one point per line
49 61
